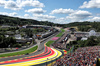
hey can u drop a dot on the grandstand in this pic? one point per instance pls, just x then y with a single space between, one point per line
87 34
86 56
36 26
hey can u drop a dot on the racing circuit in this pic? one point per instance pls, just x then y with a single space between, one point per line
49 54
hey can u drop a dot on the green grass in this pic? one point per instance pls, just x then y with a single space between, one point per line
20 52
62 30
61 33
49 43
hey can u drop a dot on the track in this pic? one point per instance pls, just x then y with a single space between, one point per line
49 54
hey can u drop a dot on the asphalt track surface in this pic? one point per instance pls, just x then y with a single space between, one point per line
44 52
52 56
47 52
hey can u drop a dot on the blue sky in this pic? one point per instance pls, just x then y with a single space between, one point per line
57 11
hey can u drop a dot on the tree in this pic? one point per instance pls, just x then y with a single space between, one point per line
81 43
91 41
4 42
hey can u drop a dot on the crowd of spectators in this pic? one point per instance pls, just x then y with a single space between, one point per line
86 56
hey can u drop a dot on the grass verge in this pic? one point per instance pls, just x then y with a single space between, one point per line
61 33
20 52
62 30
49 43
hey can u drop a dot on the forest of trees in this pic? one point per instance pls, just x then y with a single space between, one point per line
30 32
83 26
5 42
7 20
92 41
94 25
76 24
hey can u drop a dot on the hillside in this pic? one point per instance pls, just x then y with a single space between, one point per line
21 21
77 24
84 26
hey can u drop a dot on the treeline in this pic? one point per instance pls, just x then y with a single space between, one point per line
77 24
7 20
7 42
30 32
93 25
91 41
84 26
